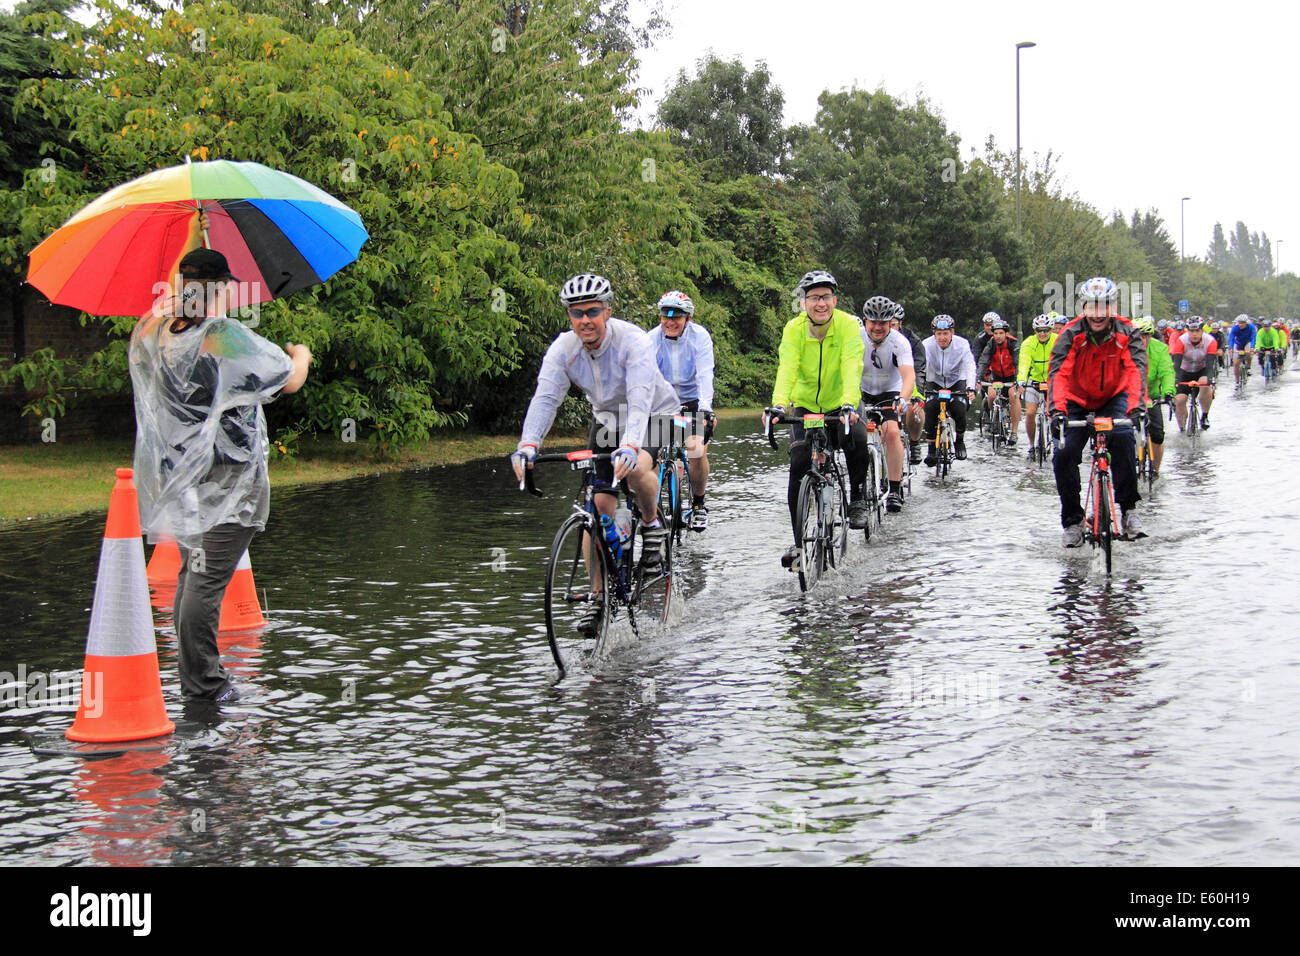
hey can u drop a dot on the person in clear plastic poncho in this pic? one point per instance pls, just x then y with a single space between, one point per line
200 380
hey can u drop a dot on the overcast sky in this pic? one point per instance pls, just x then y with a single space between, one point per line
1143 102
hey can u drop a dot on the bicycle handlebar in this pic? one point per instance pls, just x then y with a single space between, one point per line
777 416
1088 422
528 483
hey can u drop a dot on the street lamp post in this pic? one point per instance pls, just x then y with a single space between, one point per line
1182 227
1019 46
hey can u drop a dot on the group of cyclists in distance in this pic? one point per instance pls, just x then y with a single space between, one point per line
641 385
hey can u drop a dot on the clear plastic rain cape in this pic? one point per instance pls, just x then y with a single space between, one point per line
201 446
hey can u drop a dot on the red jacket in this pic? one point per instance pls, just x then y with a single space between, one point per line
1091 374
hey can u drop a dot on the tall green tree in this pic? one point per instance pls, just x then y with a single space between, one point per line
899 213
1217 254
409 332
729 118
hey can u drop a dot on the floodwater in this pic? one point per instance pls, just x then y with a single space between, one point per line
963 692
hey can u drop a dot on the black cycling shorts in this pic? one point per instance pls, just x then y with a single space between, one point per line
886 414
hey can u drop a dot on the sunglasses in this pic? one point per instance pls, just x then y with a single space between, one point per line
672 314
820 297
589 313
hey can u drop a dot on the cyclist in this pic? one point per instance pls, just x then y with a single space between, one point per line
1220 332
1035 360
916 407
612 362
1160 384
1196 362
887 374
982 339
1098 365
1162 330
1284 342
1061 320
684 352
1242 340
819 370
998 362
1266 343
948 365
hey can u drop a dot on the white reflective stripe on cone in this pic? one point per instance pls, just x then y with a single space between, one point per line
121 622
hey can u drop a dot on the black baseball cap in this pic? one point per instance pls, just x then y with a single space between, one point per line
205 264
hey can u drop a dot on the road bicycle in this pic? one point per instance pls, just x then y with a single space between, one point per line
1194 411
876 487
1146 462
945 435
1042 442
1266 365
999 421
1103 523
590 578
822 512
675 479
1243 361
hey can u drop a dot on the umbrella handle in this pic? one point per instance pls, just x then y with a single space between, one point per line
203 224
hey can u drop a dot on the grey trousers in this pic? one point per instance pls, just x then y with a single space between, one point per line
199 589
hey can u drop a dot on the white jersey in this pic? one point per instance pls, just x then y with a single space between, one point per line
687 362
946 367
620 379
881 363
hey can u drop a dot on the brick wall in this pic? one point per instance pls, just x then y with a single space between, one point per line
28 321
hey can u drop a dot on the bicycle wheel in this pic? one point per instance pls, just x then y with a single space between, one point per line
870 491
837 534
670 505
1041 442
882 488
682 511
573 591
1103 514
808 517
654 590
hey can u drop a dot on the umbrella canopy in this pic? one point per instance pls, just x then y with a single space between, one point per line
278 232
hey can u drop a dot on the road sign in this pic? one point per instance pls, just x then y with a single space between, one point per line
1182 306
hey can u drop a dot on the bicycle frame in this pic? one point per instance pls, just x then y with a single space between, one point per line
877 482
1102 524
945 436
999 412
1042 439
677 481
825 478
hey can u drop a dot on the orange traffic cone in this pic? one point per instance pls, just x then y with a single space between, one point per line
164 564
240 610
121 692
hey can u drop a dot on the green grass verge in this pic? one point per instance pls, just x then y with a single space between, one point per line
58 479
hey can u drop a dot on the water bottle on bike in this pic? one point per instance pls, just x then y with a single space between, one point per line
613 536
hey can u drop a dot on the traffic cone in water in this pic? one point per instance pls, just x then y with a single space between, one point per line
121 692
240 610
164 567
164 564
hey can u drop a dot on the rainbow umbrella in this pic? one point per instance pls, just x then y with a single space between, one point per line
278 232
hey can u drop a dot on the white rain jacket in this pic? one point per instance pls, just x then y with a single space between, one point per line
620 379
201 446
946 367
686 362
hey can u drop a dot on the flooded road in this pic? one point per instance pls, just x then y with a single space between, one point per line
965 691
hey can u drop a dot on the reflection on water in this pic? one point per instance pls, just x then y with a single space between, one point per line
963 691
